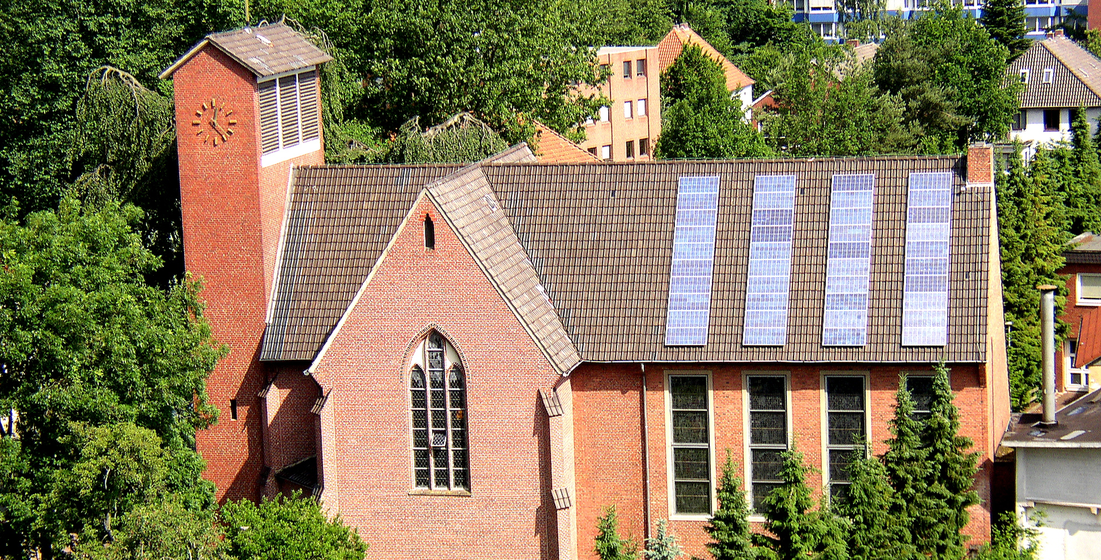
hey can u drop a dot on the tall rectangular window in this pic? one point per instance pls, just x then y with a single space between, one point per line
604 114
641 107
1052 119
846 411
644 147
606 151
626 68
689 410
1019 121
768 434
640 66
630 148
627 113
921 390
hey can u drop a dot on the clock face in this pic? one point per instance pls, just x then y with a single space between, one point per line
214 123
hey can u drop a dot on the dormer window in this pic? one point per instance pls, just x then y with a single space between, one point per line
1049 74
289 124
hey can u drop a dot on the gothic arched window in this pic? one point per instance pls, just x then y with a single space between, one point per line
438 405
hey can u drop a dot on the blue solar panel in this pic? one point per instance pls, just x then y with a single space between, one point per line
689 308
845 320
928 232
769 278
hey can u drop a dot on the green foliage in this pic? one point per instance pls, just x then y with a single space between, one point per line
508 63
292 528
950 74
867 505
862 19
794 530
460 139
87 345
826 105
1080 185
1010 541
1031 242
907 470
157 530
950 474
700 119
1005 21
663 545
729 528
609 545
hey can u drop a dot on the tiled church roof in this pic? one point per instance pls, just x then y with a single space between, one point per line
599 239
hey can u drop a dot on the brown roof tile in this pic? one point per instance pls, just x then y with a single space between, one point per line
552 147
266 50
1076 75
597 240
673 43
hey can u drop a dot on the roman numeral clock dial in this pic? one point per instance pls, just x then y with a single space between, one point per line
214 123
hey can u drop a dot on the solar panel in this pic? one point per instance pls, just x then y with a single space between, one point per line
845 320
928 232
689 310
766 300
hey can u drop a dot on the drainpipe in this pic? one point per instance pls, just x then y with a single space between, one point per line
1047 338
645 453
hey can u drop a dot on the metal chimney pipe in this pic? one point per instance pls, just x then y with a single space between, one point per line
1047 338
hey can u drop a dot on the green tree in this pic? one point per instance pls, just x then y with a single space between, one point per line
1005 21
867 505
826 105
751 24
700 118
663 545
157 530
794 530
731 538
862 19
292 528
508 63
460 139
950 74
951 473
1031 244
1081 189
87 344
609 545
907 470
1010 541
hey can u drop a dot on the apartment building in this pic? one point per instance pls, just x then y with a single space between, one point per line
627 129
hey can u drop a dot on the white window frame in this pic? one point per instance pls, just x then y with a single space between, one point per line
603 113
1069 357
640 108
1024 75
824 419
1049 76
627 73
628 110
606 151
747 449
670 478
1091 302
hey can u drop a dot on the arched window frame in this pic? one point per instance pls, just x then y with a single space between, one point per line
440 439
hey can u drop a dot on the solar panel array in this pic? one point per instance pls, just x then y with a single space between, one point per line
928 232
845 321
769 279
689 310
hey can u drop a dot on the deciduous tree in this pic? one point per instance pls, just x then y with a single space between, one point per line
292 528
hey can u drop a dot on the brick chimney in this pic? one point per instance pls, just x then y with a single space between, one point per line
980 164
248 108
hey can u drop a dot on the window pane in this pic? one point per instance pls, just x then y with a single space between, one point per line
845 393
458 438
420 419
435 376
768 428
761 490
693 497
688 392
691 463
416 380
437 399
839 463
419 399
439 419
766 393
1090 286
767 464
845 427
455 378
689 427
921 389
839 493
420 438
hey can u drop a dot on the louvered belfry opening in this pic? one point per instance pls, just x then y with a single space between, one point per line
288 111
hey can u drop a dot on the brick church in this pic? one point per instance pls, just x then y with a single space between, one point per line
472 361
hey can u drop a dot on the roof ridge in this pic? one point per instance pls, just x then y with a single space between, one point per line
1073 69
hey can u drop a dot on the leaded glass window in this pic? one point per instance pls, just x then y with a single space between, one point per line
438 407
921 390
768 434
845 425
691 447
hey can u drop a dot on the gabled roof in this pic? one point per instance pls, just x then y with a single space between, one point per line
1085 248
1076 75
597 239
266 50
552 147
673 44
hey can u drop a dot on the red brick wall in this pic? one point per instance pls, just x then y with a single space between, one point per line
609 446
367 457
232 214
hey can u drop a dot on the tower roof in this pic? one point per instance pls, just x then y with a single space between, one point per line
266 50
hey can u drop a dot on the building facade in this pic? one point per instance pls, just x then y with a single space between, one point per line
628 129
1082 348
474 361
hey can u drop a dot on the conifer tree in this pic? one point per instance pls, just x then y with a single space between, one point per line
868 508
609 545
729 528
951 472
907 470
796 531
663 545
1082 190
1005 21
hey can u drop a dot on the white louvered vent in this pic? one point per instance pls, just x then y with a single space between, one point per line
269 117
288 110
307 95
